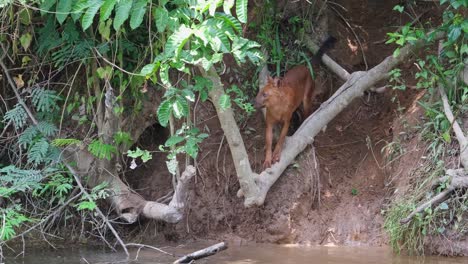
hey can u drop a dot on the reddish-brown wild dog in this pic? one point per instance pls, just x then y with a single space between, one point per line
282 96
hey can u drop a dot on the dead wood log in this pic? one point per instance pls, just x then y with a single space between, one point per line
211 250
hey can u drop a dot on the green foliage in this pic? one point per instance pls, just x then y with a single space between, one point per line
88 203
38 151
17 115
45 100
101 150
12 218
139 153
185 140
123 138
63 142
18 179
441 70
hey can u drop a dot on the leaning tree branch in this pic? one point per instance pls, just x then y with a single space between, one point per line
462 140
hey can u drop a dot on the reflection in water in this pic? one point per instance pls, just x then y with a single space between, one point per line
251 254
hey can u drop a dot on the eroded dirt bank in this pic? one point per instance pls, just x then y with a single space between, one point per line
354 183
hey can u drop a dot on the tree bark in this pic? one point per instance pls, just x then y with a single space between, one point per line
234 138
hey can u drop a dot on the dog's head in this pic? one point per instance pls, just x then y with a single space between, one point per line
269 94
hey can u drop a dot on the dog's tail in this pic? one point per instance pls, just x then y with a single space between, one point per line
326 45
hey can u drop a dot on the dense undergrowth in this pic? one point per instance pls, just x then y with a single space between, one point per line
445 70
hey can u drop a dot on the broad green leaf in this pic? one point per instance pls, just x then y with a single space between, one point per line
227 5
174 140
230 20
454 33
88 17
104 29
464 25
25 41
191 147
46 6
25 16
214 4
177 40
63 10
161 16
178 108
138 13
446 137
172 165
164 112
148 69
225 101
106 9
122 13
241 10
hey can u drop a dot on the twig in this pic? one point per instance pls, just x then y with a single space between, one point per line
148 246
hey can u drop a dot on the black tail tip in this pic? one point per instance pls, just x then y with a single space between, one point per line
331 40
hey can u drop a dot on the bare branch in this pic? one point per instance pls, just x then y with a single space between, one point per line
462 140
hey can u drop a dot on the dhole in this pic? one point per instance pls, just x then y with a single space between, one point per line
282 96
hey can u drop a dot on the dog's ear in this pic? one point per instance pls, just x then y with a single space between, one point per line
269 79
276 82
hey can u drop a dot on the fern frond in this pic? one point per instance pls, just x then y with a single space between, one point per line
20 179
46 128
63 142
101 150
38 152
26 138
17 115
45 100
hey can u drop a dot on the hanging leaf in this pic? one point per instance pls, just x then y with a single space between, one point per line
63 10
122 13
161 17
241 10
177 40
138 13
106 9
178 108
228 4
88 17
164 112
174 140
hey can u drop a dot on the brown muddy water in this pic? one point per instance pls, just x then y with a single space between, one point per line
249 254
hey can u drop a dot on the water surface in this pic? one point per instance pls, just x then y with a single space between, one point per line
249 254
